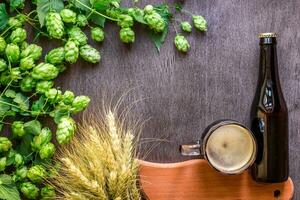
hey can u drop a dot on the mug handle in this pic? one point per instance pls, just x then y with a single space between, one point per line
191 149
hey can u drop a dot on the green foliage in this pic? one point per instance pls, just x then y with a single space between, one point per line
4 17
45 6
8 188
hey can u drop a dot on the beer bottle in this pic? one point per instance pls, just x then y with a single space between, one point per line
269 118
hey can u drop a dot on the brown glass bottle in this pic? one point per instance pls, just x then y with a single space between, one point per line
269 118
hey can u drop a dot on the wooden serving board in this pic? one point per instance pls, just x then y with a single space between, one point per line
195 179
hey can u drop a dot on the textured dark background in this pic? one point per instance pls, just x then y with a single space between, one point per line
181 94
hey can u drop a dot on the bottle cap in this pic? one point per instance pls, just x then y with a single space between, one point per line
267 35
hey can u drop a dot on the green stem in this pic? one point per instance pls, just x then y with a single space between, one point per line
186 11
98 13
5 89
6 31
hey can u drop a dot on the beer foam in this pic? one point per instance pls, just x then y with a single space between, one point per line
230 148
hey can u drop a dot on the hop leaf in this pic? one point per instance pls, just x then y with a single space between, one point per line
97 34
65 130
54 24
200 23
56 56
127 35
71 52
12 52
181 43
18 36
68 15
90 54
44 71
185 26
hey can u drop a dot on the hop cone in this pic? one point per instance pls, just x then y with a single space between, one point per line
36 173
18 36
54 25
44 71
77 35
29 190
68 97
17 129
155 21
2 45
56 56
127 35
125 21
80 103
26 63
65 130
14 22
68 16
40 140
185 26
97 34
47 151
200 23
90 54
5 144
12 52
47 192
27 84
33 51
2 164
81 20
3 65
43 86
71 52
181 43
53 95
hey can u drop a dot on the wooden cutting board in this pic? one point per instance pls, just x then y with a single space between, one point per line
195 179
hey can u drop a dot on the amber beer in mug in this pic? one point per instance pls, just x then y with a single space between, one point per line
269 118
227 145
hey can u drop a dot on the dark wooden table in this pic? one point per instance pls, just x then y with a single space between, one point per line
179 94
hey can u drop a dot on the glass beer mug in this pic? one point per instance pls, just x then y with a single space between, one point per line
228 146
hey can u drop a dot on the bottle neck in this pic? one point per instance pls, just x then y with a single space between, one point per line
268 59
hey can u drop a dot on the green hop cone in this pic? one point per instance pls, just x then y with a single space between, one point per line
127 35
181 43
2 164
27 63
39 140
15 74
47 151
68 16
27 84
81 20
68 97
54 95
24 45
20 174
186 26
55 25
200 23
29 190
17 129
5 144
148 9
56 56
77 35
14 22
18 160
71 51
115 4
155 22
97 34
47 192
33 51
44 71
90 54
65 130
43 86
3 65
125 21
2 45
80 103
18 36
36 173
12 52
